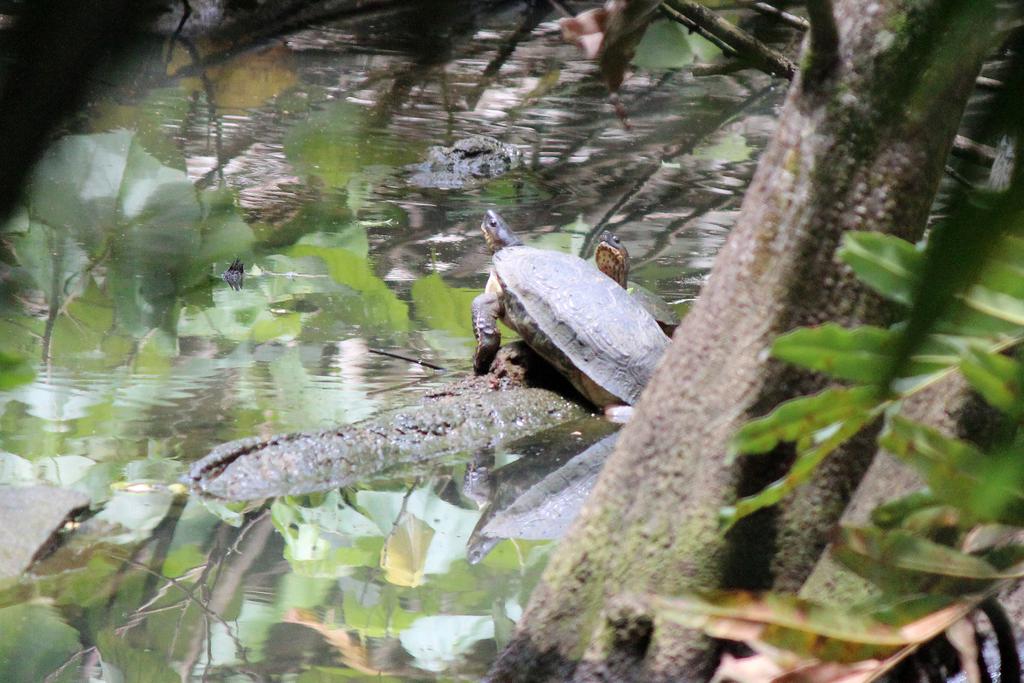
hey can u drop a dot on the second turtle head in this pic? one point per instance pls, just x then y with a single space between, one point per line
612 258
497 233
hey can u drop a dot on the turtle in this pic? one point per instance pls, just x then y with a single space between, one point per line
477 157
612 259
586 326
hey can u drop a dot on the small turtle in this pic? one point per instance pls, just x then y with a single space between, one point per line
235 275
577 319
612 259
470 159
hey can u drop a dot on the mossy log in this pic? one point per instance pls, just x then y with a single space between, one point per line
517 398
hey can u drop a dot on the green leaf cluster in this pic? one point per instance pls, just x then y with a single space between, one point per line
972 336
933 555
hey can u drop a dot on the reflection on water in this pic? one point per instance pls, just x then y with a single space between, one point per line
293 158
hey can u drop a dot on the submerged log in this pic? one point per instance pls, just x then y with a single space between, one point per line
538 496
517 398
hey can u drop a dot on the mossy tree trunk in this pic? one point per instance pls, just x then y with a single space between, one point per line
861 144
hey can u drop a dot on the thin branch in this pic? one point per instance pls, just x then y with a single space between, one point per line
979 153
189 592
417 361
782 15
55 675
800 23
706 22
824 48
988 83
716 69
958 177
694 27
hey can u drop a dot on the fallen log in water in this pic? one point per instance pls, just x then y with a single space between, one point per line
468 415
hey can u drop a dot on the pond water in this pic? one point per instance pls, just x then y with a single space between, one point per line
291 155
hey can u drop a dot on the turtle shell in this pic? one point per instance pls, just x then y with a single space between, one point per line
656 306
580 321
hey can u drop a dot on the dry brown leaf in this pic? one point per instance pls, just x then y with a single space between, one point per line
763 669
755 669
610 35
585 30
831 672
352 648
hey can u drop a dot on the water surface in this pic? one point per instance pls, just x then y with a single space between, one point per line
291 156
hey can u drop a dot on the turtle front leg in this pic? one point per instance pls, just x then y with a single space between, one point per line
486 311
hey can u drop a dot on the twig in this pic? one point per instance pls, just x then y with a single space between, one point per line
979 153
56 674
531 19
955 175
782 15
988 83
718 69
189 592
824 48
143 610
417 361
738 41
694 27
800 23
244 531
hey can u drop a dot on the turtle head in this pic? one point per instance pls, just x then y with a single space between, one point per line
612 258
497 233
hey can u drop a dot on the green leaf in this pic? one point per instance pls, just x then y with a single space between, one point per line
862 354
1000 306
377 301
76 183
14 371
155 198
134 664
808 459
340 143
958 473
954 262
893 513
55 260
905 563
801 418
889 265
444 308
281 327
334 674
994 376
939 351
435 640
664 46
724 148
34 642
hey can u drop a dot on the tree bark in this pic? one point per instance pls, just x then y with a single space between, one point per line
860 146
